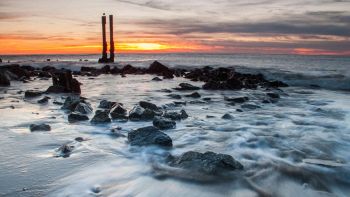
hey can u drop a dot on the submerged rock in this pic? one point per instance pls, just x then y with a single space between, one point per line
163 123
44 100
157 79
273 95
237 100
65 150
75 117
101 117
194 95
39 127
186 86
149 136
250 106
174 96
227 117
209 163
32 93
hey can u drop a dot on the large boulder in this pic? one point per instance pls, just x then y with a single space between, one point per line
101 117
63 82
163 123
208 163
149 136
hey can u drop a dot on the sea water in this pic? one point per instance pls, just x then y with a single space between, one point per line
298 146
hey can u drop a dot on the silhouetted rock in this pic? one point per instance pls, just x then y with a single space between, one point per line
163 123
128 69
186 86
138 113
75 117
63 82
104 104
160 69
208 163
4 79
149 136
65 150
119 113
276 84
32 93
39 127
194 95
101 117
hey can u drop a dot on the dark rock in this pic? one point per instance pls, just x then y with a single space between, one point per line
80 139
104 104
160 69
101 117
276 84
16 71
65 150
163 123
237 100
273 95
32 93
75 117
186 86
194 95
208 163
234 84
148 105
63 82
136 113
174 96
106 69
176 115
250 106
4 79
165 90
157 79
128 69
207 99
44 100
227 117
239 110
71 103
83 108
119 113
48 68
57 103
149 136
39 127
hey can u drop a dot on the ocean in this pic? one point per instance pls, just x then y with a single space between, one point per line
298 146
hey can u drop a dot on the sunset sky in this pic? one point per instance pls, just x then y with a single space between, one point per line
217 26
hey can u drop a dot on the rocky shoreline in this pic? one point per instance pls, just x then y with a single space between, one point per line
78 108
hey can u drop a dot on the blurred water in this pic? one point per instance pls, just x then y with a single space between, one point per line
296 147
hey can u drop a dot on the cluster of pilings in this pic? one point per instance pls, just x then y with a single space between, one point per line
104 58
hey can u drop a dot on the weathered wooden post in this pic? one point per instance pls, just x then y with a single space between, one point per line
111 59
